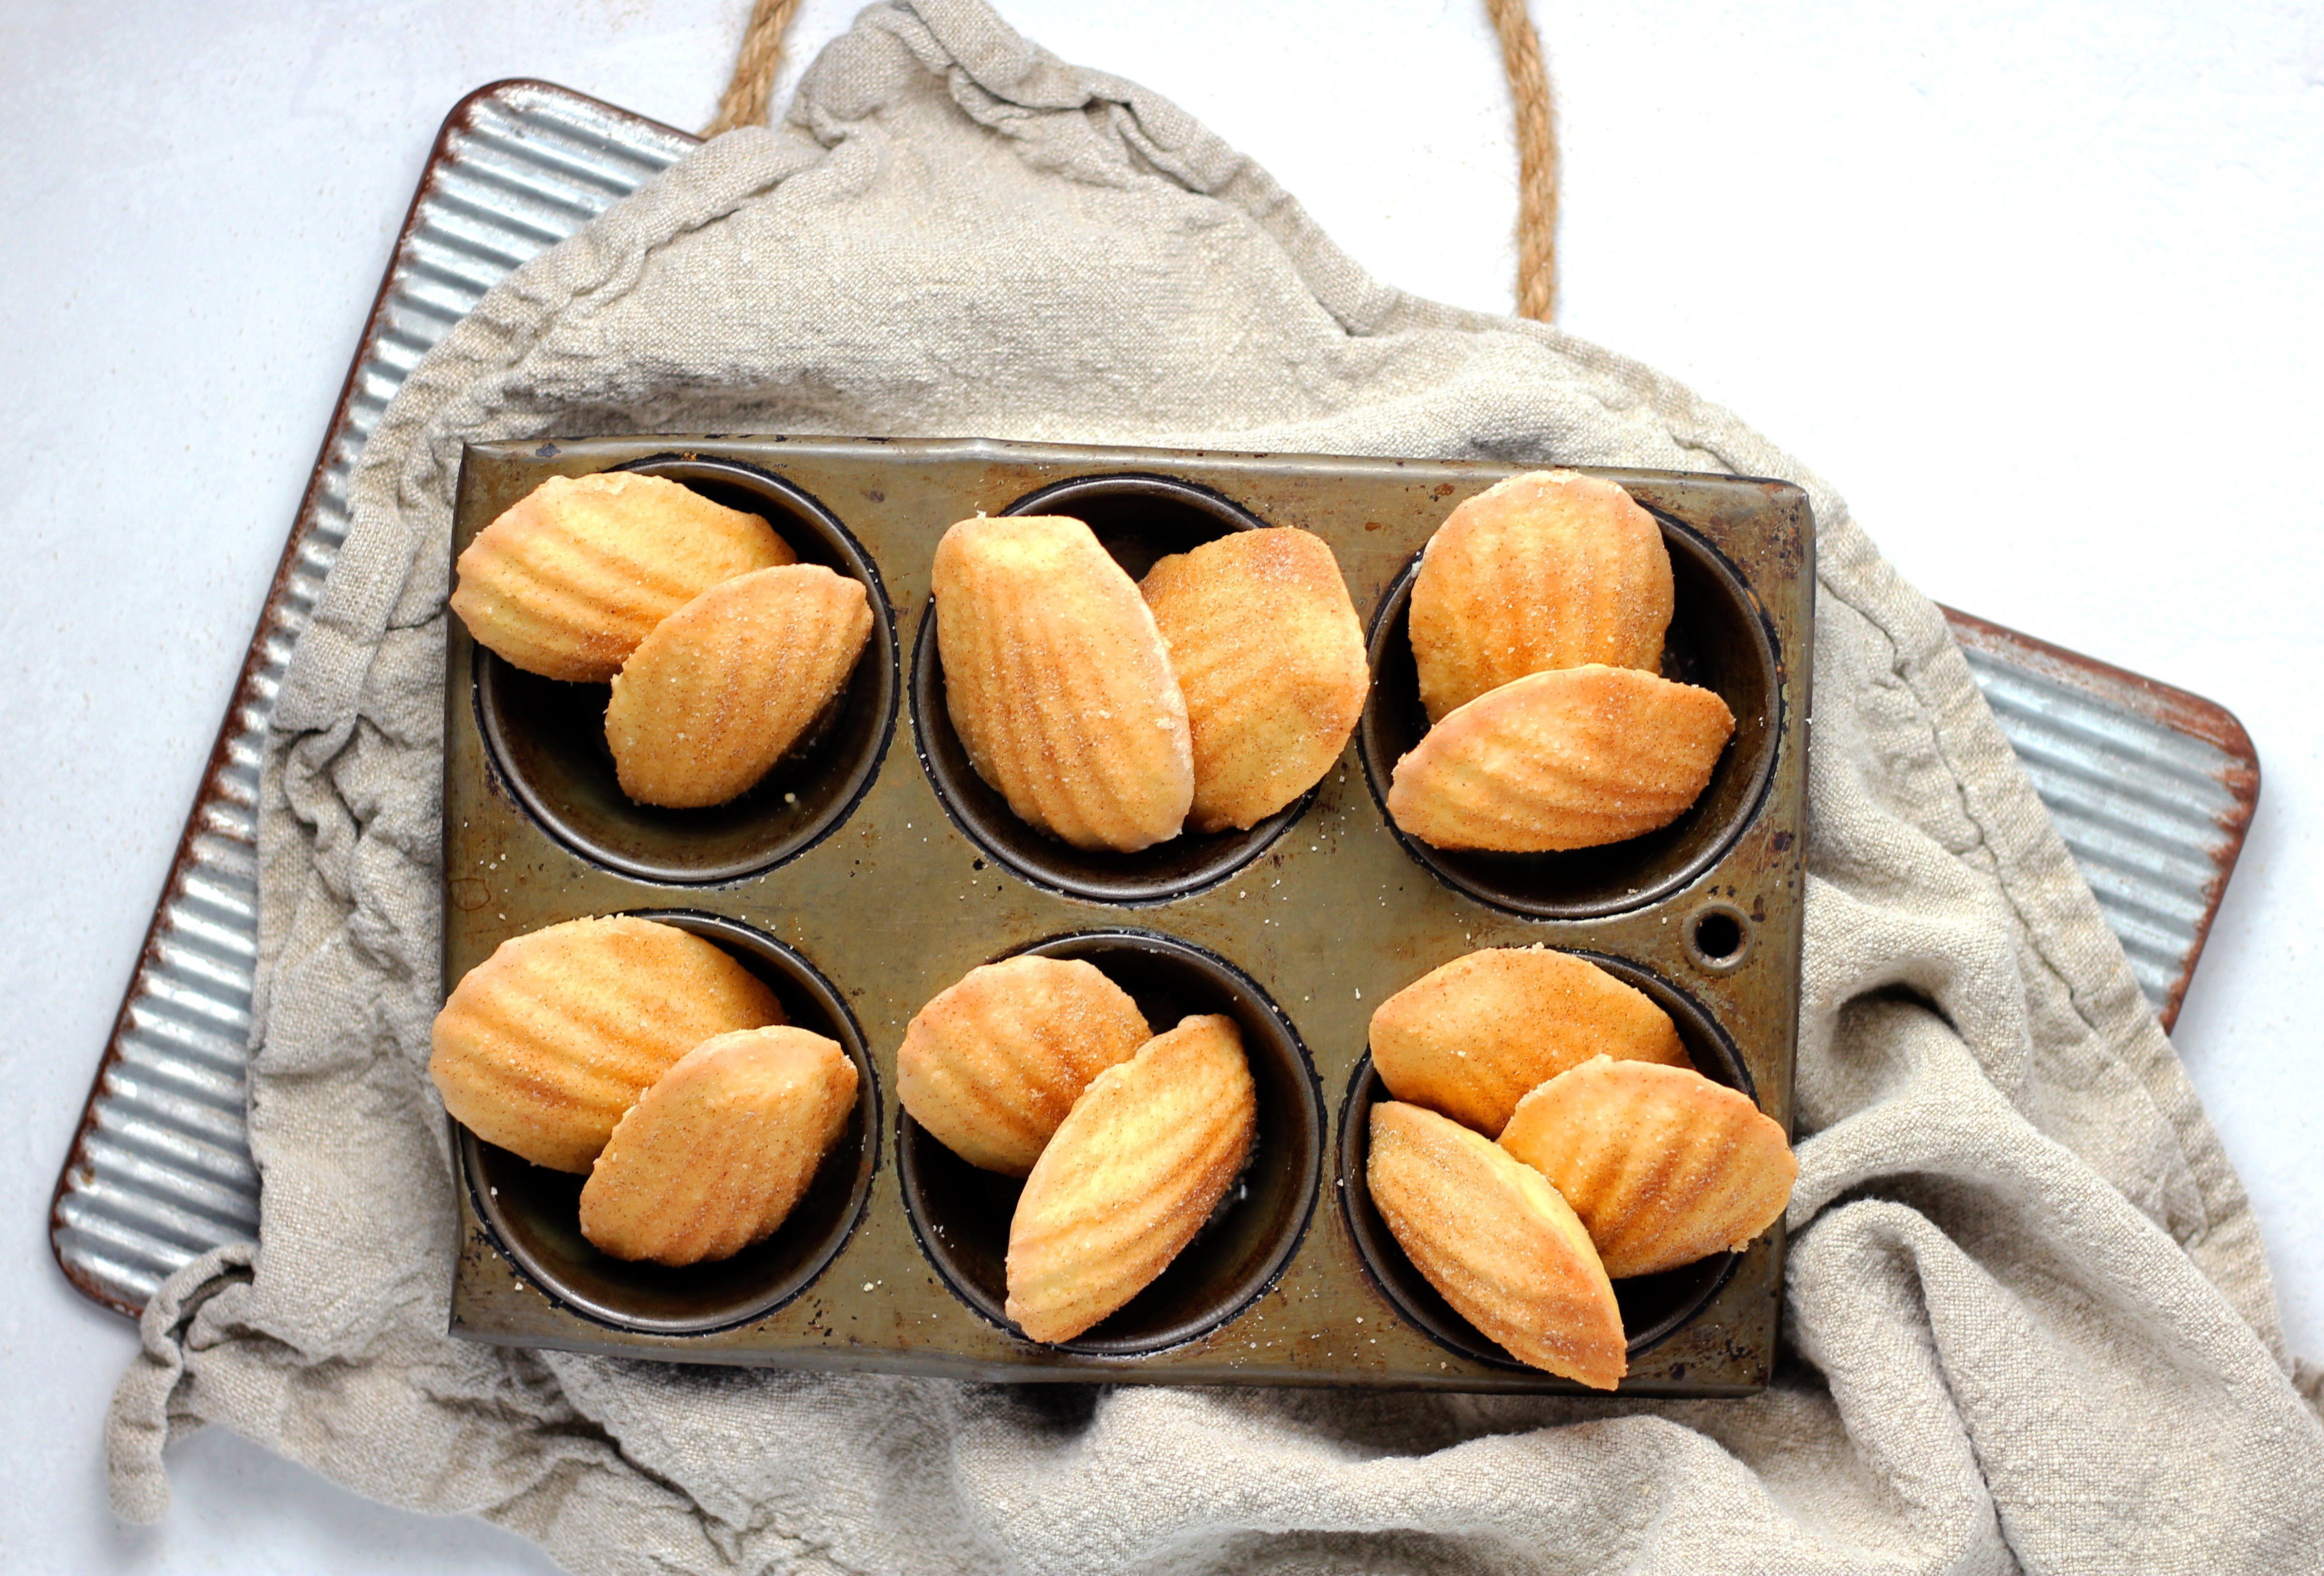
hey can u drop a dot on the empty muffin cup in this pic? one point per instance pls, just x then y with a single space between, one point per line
961 1214
534 1212
1137 520
1719 640
1653 1306
547 738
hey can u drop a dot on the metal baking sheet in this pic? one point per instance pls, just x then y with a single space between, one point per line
2151 788
159 1170
879 869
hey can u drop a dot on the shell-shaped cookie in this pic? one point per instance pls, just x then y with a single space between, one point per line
1130 1176
1549 569
1473 1038
724 687
1058 683
1573 758
993 1064
713 1157
1270 656
544 1044
1497 1242
574 574
1662 1165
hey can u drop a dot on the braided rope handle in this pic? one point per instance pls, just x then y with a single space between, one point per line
745 103
1536 159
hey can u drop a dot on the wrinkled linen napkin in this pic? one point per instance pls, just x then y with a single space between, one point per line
2029 1320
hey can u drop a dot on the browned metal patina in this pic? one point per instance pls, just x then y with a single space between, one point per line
883 867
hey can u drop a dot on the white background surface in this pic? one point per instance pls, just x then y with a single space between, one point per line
2033 282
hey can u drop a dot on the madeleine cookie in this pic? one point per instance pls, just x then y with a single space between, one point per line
993 1064
714 1154
575 572
1549 569
723 687
1470 1040
1498 1242
1130 1176
1058 683
1662 1165
1574 757
544 1044
1270 656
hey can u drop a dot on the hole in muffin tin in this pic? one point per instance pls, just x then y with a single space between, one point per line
1719 638
547 737
1653 1306
534 1212
961 1214
1717 937
1137 520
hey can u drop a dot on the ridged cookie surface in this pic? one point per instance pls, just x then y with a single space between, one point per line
1473 1038
713 1157
993 1064
723 687
1549 569
1058 683
544 1044
1497 1242
1662 1165
1129 1177
1270 656
1573 758
574 574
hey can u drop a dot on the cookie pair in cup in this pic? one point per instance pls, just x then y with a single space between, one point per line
1549 1136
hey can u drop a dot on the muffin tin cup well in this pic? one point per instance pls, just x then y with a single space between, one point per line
1300 933
961 1215
548 737
1719 638
1653 1306
1138 519
533 1212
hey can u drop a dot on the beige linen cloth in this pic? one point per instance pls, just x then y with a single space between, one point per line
2030 1326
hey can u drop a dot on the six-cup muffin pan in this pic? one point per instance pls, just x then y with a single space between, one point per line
873 869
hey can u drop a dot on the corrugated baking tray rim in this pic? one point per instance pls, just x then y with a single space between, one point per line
249 699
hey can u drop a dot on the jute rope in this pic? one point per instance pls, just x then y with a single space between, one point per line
1536 159
745 103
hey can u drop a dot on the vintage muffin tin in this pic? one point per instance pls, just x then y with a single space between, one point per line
875 869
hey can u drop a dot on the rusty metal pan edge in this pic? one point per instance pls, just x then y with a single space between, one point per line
252 701
1120 1371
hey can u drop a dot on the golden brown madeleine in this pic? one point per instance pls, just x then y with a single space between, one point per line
1058 683
1473 1038
545 1043
1569 759
1130 1176
575 572
1549 569
993 1064
1497 1242
713 1157
1662 1165
1271 661
724 687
